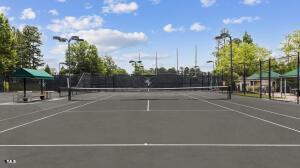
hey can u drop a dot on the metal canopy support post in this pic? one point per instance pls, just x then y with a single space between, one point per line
42 89
24 87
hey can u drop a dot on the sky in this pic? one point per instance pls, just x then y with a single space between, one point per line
125 28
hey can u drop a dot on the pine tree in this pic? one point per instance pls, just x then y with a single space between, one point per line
47 69
247 38
30 49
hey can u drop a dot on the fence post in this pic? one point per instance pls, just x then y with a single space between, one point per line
270 84
298 78
260 79
244 80
202 79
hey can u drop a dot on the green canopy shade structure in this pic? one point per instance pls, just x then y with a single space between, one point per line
291 74
26 73
32 73
264 75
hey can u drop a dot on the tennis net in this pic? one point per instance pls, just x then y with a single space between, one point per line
213 93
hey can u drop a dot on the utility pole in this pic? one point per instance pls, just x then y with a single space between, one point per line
177 61
156 64
196 56
139 56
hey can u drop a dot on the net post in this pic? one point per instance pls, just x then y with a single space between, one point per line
229 92
69 94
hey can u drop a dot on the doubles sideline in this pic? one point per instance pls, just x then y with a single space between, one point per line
248 115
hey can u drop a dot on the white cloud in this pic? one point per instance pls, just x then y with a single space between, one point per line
53 12
61 1
155 2
108 40
4 9
169 28
197 27
59 49
207 3
71 23
118 6
28 14
252 2
240 20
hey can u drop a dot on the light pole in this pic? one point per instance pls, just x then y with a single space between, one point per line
225 35
63 40
213 63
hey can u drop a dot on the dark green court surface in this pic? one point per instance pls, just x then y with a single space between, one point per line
151 130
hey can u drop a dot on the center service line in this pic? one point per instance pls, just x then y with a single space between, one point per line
148 105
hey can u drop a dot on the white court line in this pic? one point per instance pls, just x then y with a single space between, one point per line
156 145
148 105
27 123
18 116
117 110
267 121
267 111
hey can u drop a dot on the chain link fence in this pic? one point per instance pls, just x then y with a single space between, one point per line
274 79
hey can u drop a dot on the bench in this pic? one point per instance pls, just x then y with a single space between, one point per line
30 96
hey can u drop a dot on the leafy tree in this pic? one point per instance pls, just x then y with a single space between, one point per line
110 66
186 71
192 72
47 69
84 58
172 70
8 58
138 68
62 71
162 70
291 44
246 53
150 71
121 71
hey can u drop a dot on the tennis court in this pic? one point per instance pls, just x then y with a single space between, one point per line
163 128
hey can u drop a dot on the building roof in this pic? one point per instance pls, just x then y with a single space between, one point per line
291 74
265 75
